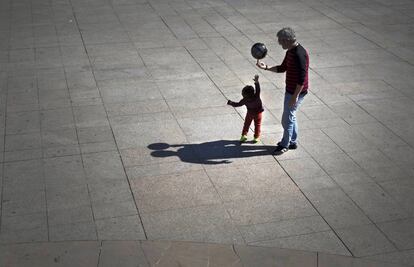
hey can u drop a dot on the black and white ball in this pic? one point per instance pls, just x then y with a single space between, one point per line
259 50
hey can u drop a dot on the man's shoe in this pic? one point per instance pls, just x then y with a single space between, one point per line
291 146
243 138
280 150
256 140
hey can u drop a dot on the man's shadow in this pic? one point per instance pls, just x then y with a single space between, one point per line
214 152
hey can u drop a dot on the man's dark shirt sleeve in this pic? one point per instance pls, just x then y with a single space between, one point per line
282 67
300 56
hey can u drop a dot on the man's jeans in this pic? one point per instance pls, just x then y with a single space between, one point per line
289 123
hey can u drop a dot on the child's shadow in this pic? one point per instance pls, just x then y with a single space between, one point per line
214 152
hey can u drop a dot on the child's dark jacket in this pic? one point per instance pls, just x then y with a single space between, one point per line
253 104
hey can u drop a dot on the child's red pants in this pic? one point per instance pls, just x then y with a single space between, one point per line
257 118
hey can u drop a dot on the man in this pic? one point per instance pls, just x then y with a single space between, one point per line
295 64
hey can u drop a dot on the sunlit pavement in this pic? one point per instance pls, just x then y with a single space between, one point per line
117 147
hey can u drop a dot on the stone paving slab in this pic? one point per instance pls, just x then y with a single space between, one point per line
168 253
114 126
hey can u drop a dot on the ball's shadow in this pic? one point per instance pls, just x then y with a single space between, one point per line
213 152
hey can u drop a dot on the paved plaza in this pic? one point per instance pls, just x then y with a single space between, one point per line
117 147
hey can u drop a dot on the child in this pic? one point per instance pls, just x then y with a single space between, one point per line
251 98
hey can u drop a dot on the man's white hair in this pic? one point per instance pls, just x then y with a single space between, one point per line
287 33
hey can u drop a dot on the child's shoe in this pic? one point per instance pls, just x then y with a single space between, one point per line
256 140
243 138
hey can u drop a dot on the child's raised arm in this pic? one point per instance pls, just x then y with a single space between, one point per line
256 85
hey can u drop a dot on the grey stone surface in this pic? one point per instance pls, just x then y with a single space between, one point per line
316 142
328 242
301 169
22 122
128 90
349 178
201 224
114 209
23 222
98 147
83 253
161 169
251 256
26 175
153 154
108 191
337 163
52 138
338 209
174 191
388 174
239 183
405 257
73 231
168 131
189 254
60 151
56 119
200 129
284 228
114 125
72 215
120 228
399 232
67 197
90 116
401 155
22 142
401 191
24 202
103 166
2 148
122 253
332 260
94 134
348 139
260 210
316 182
379 135
63 172
375 202
365 240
